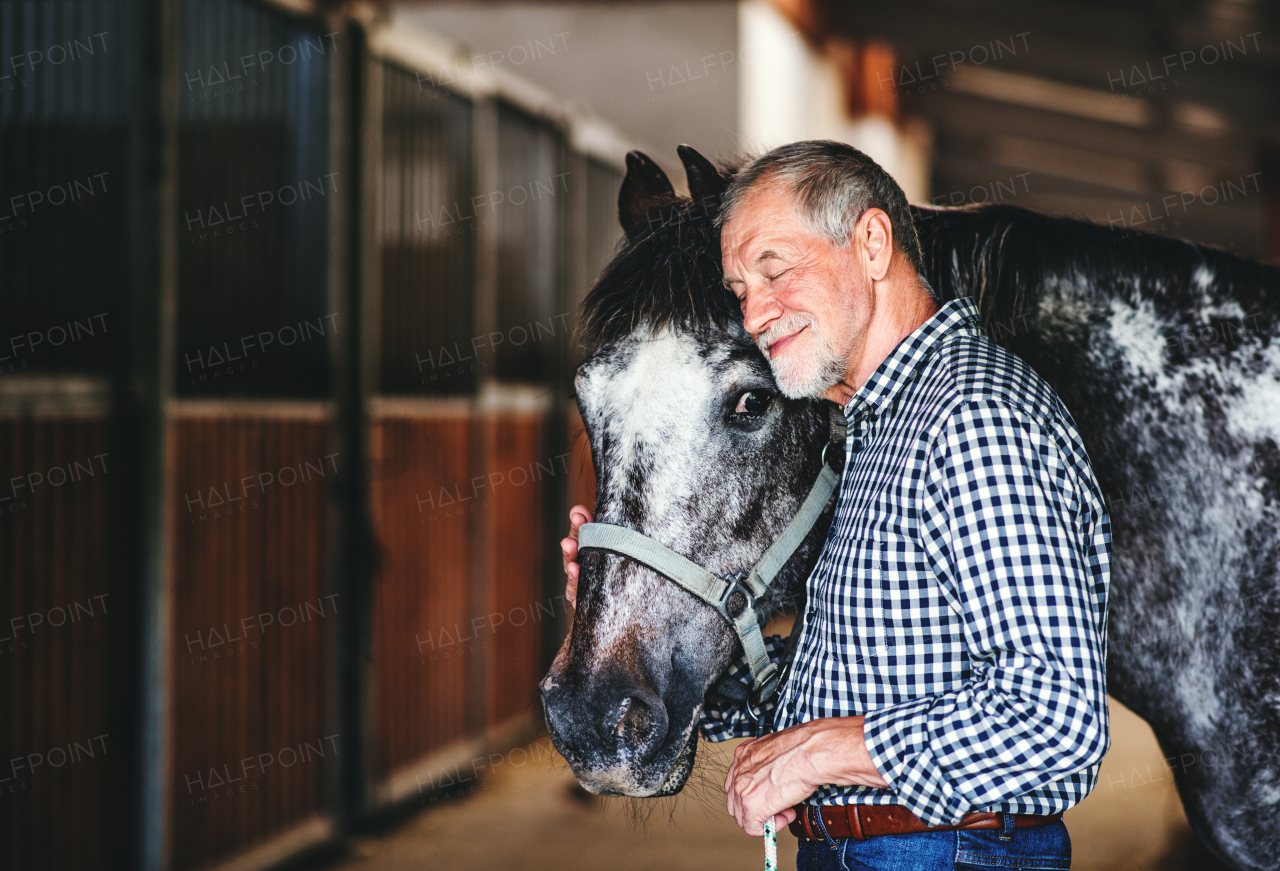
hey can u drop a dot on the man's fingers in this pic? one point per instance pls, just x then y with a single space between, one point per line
571 588
578 515
750 793
753 826
733 770
731 796
568 552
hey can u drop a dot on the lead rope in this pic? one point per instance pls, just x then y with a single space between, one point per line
770 846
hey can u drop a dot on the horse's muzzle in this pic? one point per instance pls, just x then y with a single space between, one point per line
613 734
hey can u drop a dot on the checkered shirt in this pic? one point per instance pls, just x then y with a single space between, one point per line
960 601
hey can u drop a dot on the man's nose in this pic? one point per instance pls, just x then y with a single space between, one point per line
759 309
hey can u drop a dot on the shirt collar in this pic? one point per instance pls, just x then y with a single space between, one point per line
957 317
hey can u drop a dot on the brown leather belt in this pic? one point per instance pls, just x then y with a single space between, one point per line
862 821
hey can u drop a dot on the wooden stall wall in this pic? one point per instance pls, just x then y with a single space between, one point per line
459 497
60 602
423 516
253 620
519 467
255 611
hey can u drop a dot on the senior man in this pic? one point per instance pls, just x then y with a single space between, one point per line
947 699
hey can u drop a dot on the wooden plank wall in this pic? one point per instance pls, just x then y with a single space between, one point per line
250 713
421 468
60 601
518 469
460 607
252 628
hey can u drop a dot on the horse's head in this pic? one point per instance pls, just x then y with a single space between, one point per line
695 447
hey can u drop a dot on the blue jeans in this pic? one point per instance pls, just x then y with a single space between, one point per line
1041 847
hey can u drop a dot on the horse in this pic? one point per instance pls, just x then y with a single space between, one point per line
1164 351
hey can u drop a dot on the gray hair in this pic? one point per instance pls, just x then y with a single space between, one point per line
831 185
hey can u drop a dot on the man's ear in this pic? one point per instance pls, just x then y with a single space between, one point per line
874 233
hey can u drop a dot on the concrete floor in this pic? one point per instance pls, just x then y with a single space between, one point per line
528 813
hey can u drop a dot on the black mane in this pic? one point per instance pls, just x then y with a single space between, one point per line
669 277
1003 256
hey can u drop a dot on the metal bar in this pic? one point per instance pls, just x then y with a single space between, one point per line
485 120
485 141
264 409
371 208
341 130
143 384
354 540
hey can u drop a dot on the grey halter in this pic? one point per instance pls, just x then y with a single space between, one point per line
733 596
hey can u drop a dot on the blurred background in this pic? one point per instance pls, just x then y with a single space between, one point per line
288 292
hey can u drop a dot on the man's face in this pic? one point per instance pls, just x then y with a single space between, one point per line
805 302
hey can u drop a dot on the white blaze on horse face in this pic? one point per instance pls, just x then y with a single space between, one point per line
657 403
654 412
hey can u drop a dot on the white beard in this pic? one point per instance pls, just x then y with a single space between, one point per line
803 374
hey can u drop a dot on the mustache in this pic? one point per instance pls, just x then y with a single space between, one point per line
786 326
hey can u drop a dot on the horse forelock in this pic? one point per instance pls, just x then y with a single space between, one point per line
668 277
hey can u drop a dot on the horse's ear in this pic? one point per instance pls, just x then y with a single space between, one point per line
645 186
706 184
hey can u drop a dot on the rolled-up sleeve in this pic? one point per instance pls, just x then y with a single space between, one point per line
1011 528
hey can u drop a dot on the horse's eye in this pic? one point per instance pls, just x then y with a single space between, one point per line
753 402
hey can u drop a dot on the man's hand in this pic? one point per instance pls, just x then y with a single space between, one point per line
770 774
578 515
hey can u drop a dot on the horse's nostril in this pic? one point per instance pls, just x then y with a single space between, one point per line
636 723
640 724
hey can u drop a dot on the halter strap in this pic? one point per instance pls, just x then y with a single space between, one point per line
718 592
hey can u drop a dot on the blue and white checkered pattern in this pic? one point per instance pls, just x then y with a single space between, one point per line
960 602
